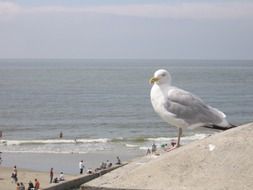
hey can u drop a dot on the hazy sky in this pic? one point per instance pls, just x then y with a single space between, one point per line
174 29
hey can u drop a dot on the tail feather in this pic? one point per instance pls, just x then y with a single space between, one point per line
232 125
220 127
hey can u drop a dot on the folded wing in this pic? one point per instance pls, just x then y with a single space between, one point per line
192 109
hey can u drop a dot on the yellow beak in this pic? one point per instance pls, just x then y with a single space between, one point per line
153 80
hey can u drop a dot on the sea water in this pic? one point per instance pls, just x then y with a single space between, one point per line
104 105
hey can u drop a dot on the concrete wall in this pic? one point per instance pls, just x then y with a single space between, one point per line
78 181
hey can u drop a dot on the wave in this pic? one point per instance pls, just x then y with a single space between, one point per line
144 148
129 139
186 138
82 146
129 142
158 139
45 152
52 141
131 145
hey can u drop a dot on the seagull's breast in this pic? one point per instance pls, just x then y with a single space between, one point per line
158 100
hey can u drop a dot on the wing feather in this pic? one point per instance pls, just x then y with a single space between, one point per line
190 108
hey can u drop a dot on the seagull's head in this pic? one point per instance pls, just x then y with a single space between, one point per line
161 76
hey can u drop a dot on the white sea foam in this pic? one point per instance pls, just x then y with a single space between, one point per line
131 145
46 152
52 141
101 140
165 140
81 146
144 148
197 136
187 138
158 139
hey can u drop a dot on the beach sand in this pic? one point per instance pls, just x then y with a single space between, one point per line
44 161
222 161
25 176
37 165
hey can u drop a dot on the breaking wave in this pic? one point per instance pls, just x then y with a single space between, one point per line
52 141
82 146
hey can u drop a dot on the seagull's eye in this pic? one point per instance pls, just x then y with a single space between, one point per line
164 74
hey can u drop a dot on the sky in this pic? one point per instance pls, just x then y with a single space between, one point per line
133 29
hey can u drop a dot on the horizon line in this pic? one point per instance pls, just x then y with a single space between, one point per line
93 58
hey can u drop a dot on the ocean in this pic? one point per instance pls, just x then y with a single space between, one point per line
103 106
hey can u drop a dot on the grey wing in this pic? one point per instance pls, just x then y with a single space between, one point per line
190 108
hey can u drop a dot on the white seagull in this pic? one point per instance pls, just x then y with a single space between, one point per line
183 109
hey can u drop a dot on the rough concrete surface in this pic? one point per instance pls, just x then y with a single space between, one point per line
223 161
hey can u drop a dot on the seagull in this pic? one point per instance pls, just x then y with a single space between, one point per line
181 108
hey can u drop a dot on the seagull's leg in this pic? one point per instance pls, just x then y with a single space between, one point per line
178 137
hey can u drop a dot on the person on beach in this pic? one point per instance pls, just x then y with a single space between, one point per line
102 165
61 178
17 186
36 184
118 160
89 171
14 175
81 166
148 152
30 185
108 164
13 178
61 135
153 149
172 145
15 170
51 175
56 180
22 186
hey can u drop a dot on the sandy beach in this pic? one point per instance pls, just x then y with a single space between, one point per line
38 166
43 162
25 176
